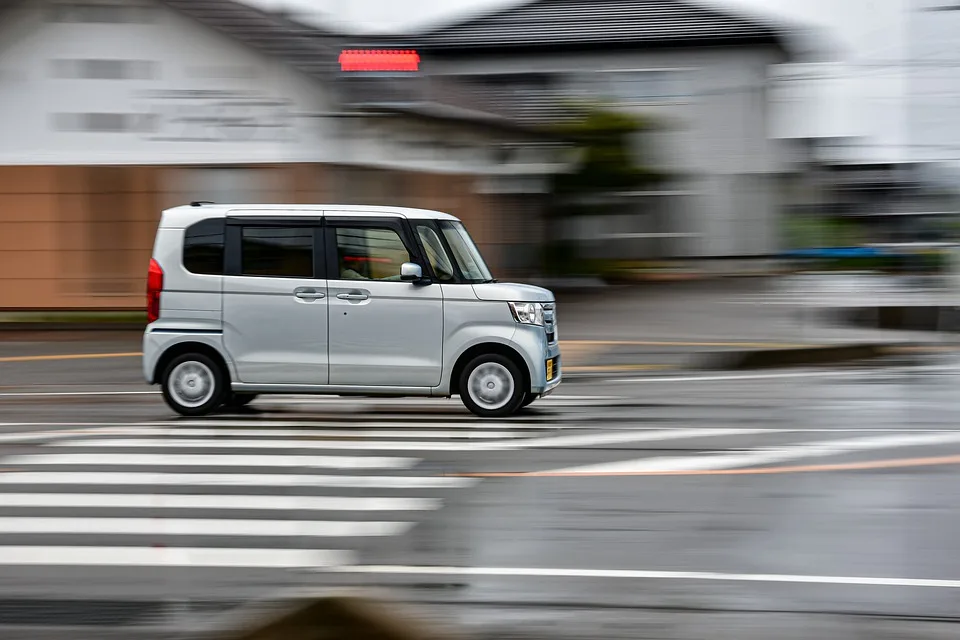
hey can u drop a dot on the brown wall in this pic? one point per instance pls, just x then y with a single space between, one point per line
81 237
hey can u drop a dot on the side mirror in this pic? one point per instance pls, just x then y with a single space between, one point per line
411 272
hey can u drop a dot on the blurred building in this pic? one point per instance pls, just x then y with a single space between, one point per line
111 111
702 75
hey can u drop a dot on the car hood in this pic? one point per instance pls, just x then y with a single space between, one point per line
510 292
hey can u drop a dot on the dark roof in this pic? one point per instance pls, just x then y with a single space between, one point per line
307 48
600 23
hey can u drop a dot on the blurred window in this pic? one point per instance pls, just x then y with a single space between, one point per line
99 13
203 247
370 253
105 122
94 69
436 254
634 86
277 251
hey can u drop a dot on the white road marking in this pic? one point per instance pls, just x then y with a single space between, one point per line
34 436
201 527
224 437
767 455
73 478
96 430
194 460
301 428
215 501
620 437
583 440
173 557
626 574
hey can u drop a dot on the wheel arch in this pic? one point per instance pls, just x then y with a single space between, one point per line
183 348
485 348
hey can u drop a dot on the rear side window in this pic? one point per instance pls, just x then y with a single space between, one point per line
280 252
369 253
203 247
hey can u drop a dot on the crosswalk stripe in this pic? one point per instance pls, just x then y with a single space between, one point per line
346 432
201 527
148 478
272 426
349 445
215 501
589 439
174 557
182 459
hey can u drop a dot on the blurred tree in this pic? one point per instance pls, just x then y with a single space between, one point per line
609 164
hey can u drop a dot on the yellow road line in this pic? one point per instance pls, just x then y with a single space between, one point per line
71 356
849 466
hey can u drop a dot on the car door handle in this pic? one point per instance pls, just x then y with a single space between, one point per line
310 295
352 296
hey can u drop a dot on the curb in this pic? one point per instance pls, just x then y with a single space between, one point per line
800 357
336 616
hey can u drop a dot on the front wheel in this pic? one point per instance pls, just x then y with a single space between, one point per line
491 386
193 385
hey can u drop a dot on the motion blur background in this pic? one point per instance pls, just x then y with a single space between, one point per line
599 140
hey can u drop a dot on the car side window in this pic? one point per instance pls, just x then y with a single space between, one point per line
370 253
436 254
203 244
281 252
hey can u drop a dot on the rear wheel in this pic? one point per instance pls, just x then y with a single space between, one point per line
528 399
193 384
491 386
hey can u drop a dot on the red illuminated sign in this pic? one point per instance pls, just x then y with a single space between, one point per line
405 60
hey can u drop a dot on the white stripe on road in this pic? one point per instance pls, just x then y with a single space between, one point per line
463 429
302 437
72 478
201 527
218 501
173 557
583 440
199 460
767 455
626 574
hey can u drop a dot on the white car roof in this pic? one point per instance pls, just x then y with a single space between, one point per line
184 216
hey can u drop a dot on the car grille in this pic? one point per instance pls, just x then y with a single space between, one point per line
550 322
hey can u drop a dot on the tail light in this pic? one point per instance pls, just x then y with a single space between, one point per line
154 287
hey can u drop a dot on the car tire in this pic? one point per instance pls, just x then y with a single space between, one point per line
491 386
193 385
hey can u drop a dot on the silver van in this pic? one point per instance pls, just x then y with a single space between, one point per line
364 301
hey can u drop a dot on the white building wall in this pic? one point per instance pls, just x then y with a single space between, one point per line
189 95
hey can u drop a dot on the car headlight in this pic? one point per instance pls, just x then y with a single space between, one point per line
527 312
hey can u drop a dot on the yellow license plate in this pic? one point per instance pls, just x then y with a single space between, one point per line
550 369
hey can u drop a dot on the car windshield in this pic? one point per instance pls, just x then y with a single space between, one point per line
465 252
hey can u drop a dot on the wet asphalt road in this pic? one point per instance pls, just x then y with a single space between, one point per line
799 504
